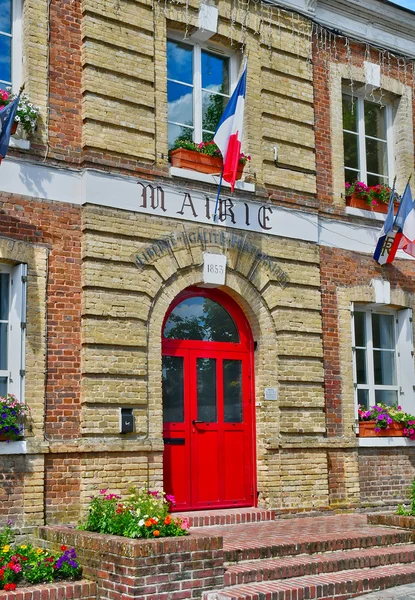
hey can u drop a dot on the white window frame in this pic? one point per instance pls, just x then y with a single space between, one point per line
15 372
404 356
16 46
197 77
359 99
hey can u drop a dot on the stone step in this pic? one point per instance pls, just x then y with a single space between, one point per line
298 566
249 546
233 516
324 586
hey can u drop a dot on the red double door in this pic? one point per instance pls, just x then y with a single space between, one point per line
207 403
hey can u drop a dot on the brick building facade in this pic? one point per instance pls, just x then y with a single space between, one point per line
114 238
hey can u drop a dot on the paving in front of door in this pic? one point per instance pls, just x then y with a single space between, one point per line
327 558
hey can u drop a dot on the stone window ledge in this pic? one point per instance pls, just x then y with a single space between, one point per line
213 179
13 447
19 143
367 214
386 442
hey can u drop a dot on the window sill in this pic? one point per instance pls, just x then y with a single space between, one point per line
367 214
212 179
385 442
13 447
19 143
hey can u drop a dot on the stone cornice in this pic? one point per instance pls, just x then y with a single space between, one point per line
376 22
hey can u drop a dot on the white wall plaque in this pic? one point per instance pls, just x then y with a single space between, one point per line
372 74
270 393
214 268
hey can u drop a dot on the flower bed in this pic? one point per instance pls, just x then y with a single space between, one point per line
25 564
142 515
127 569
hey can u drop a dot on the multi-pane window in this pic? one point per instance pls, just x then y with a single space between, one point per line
5 43
367 141
198 88
12 329
375 357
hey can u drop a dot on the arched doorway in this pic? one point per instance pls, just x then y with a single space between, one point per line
208 400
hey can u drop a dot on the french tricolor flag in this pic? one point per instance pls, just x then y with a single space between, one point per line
228 136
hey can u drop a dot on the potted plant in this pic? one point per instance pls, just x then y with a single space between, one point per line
204 157
27 113
375 197
382 420
12 413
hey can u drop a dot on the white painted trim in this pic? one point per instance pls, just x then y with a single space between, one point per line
213 179
17 45
197 74
19 143
367 214
45 182
13 447
360 96
385 442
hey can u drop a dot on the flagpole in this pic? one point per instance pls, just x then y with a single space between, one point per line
217 197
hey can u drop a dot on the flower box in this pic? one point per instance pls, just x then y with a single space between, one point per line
14 128
367 429
355 201
197 161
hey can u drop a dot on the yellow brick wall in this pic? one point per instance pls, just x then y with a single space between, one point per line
125 85
123 311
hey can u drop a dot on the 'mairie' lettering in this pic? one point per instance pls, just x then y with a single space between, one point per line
187 196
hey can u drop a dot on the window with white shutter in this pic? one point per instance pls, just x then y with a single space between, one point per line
12 329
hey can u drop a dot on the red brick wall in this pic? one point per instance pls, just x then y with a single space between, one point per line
86 590
65 82
340 268
321 61
12 470
58 226
62 488
386 475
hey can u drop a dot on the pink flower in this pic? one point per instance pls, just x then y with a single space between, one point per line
185 524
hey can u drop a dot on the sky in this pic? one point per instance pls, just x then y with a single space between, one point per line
406 3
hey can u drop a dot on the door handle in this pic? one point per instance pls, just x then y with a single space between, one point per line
194 422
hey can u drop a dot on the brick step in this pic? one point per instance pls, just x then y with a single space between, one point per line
233 516
298 566
250 546
325 586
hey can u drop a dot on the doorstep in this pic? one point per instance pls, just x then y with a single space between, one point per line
227 516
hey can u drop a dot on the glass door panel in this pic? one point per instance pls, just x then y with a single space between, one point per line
206 390
232 391
173 389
